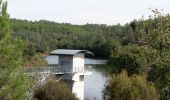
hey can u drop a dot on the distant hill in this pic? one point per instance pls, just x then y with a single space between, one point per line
46 35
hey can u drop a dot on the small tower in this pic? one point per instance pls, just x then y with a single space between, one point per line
72 62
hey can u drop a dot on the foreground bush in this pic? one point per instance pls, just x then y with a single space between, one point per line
54 90
122 87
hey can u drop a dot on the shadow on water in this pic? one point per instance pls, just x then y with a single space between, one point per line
105 70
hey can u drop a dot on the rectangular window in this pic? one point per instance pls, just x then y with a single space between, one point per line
81 77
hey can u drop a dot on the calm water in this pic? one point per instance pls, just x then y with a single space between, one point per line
94 83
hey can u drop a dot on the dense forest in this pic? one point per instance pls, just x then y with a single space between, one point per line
101 39
45 36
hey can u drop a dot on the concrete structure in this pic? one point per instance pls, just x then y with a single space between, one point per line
71 62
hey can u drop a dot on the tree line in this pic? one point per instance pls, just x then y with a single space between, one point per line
46 36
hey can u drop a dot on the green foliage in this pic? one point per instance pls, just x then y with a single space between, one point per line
54 90
29 50
12 84
35 61
145 49
47 35
122 87
155 31
159 73
161 78
156 34
130 58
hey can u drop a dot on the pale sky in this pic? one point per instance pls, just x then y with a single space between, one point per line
85 11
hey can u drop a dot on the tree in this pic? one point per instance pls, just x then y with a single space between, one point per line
12 80
122 87
156 33
130 58
161 78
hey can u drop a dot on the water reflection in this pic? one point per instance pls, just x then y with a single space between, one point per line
78 89
94 83
92 86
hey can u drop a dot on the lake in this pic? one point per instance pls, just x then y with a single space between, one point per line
94 83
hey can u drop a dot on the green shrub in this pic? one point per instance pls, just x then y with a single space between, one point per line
54 90
122 87
29 50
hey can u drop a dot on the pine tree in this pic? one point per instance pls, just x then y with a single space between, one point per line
12 81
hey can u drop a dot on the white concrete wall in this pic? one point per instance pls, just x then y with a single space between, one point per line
78 62
78 86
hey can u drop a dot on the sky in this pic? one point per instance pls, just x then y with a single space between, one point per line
85 11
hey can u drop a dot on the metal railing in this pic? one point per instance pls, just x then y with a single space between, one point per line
58 69
82 69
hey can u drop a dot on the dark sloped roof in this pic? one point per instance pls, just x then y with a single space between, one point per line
69 52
